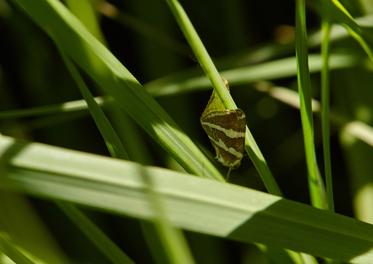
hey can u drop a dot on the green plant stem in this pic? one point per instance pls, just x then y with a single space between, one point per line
315 184
212 73
325 108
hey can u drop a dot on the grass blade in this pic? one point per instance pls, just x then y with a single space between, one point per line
341 15
315 183
99 238
325 109
189 81
112 141
232 211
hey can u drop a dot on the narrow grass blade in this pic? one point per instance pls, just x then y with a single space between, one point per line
354 128
115 147
112 141
231 211
99 238
38 111
118 82
188 81
315 183
341 15
325 109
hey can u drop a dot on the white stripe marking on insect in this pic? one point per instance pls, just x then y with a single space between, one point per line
228 132
225 113
230 150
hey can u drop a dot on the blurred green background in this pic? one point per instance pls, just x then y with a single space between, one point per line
146 39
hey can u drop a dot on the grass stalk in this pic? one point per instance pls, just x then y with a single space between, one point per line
325 108
212 73
315 183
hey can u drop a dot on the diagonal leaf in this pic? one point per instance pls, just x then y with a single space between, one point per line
118 82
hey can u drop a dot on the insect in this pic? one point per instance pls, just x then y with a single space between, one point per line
225 129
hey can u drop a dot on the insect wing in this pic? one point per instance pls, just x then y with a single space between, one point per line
226 131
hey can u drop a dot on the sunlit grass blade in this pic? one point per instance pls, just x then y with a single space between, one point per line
85 11
71 106
218 84
15 253
232 211
315 183
117 81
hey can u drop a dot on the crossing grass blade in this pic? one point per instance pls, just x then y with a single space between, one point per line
232 211
171 238
112 140
217 82
115 147
80 46
361 34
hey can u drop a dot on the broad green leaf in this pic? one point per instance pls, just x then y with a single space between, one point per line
192 203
